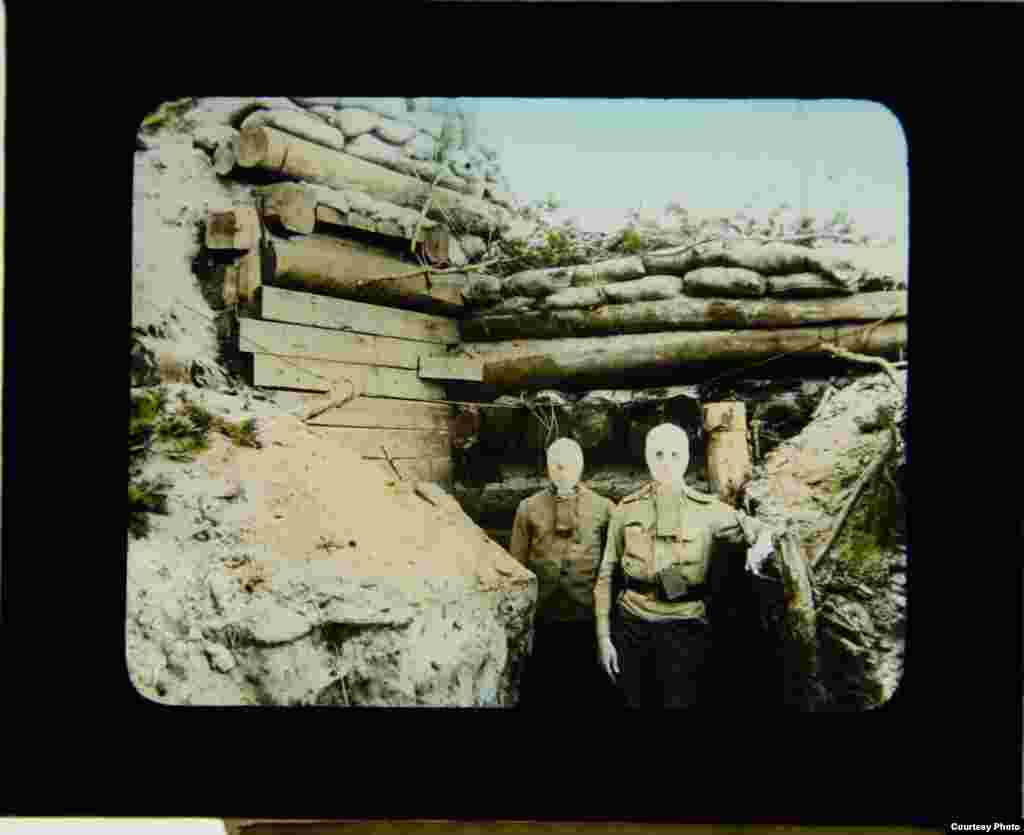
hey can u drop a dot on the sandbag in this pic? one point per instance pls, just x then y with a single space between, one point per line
473 245
573 297
648 289
514 304
482 289
731 282
789 259
803 286
394 132
354 122
605 272
537 282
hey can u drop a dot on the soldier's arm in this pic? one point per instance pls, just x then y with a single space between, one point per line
603 586
737 527
519 548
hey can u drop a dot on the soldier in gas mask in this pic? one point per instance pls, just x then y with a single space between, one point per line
665 538
559 535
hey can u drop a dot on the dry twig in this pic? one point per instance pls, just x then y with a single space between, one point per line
884 364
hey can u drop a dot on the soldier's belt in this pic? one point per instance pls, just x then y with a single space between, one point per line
654 591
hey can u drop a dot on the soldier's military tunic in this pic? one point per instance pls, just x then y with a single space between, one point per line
561 540
663 644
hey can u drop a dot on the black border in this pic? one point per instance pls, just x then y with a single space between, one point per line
943 750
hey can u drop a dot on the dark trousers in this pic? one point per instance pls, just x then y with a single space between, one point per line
563 670
662 664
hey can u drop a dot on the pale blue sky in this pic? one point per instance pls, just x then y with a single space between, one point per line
606 156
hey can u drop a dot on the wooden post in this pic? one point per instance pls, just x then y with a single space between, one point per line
237 228
725 425
800 639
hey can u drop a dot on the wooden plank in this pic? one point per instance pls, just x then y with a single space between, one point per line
399 443
447 368
272 371
259 337
380 413
342 314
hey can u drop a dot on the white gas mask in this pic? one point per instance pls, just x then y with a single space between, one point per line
668 456
565 465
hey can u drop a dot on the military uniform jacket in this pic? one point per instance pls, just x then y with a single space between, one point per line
701 523
561 541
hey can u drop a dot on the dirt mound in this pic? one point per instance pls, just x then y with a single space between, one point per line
282 571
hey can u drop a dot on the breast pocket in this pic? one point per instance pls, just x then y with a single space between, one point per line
688 553
638 555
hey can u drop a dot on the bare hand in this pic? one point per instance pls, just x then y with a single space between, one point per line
759 553
609 658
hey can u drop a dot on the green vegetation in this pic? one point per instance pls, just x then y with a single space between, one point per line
564 244
179 436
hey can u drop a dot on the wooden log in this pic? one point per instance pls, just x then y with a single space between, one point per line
400 443
237 228
271 371
290 205
684 313
799 629
730 282
728 456
260 337
276 151
546 362
802 285
323 312
344 269
300 124
373 412
445 368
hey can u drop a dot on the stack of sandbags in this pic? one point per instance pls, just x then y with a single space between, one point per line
728 303
343 143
